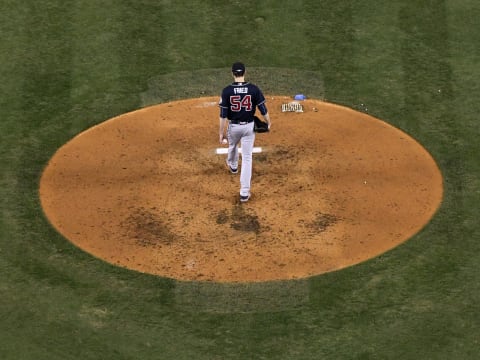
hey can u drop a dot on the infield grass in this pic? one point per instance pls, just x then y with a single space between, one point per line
67 65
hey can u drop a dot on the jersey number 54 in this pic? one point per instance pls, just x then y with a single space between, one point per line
237 103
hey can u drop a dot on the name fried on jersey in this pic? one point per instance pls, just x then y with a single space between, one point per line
239 101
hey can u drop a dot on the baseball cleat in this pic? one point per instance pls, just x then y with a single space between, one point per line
244 198
232 169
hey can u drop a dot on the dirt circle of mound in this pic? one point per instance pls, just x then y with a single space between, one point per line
331 188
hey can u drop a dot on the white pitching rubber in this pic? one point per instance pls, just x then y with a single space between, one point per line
219 151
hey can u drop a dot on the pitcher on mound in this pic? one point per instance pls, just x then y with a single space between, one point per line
238 104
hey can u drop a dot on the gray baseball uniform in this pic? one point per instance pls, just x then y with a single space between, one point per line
238 104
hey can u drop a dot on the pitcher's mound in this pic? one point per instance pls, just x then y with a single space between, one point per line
331 188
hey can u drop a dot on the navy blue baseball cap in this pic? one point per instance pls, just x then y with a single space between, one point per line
238 67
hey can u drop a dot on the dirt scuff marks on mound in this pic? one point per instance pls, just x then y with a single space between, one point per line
239 218
148 228
322 222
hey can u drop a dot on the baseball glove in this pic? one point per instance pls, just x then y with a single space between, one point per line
260 126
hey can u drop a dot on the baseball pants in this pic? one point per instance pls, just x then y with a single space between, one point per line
244 135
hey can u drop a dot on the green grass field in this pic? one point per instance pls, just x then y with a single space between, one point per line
67 65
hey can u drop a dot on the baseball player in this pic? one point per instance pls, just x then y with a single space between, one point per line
238 104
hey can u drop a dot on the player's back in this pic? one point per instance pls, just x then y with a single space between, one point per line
241 100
